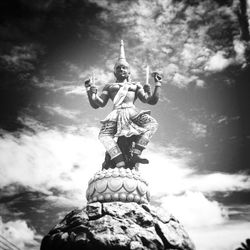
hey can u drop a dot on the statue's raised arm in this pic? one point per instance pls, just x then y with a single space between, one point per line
144 93
95 100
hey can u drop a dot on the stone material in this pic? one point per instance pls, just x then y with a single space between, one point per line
118 184
117 225
94 210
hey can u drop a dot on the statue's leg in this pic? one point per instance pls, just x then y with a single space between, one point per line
150 124
106 136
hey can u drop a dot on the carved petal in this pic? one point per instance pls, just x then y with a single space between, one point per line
115 172
129 184
115 184
101 185
91 189
148 195
108 174
142 188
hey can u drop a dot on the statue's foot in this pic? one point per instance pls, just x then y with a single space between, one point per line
137 159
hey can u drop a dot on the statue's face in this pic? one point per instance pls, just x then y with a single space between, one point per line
122 72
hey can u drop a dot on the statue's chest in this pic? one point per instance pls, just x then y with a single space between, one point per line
116 87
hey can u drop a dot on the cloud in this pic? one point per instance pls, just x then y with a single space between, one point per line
75 87
67 200
239 211
173 167
219 182
30 123
168 165
218 62
240 49
74 90
158 33
185 194
199 130
207 221
101 75
175 33
67 160
51 159
180 80
223 237
18 233
57 110
22 58
193 209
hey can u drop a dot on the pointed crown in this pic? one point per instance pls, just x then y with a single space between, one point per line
122 59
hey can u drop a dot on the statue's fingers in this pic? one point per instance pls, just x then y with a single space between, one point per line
158 77
154 73
87 83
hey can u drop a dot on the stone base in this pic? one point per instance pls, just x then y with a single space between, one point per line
118 184
117 225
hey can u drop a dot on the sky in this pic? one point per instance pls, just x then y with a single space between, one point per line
200 155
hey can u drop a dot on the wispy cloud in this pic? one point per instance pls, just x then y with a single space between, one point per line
199 130
22 58
224 236
51 159
18 233
102 75
58 110
218 62
76 86
74 90
176 172
194 210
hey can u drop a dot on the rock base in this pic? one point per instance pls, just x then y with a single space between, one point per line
117 225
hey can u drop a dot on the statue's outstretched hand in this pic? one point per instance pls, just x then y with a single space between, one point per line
157 77
87 83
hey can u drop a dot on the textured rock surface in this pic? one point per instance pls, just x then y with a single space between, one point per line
117 225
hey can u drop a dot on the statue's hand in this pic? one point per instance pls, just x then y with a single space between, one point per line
147 88
93 89
157 77
87 83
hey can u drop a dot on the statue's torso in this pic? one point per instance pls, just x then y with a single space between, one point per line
113 88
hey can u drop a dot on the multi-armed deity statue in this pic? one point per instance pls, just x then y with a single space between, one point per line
125 133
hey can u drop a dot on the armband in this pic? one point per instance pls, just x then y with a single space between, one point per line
158 84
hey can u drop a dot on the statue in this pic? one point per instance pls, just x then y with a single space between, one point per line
125 132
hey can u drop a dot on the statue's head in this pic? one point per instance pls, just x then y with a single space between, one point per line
122 72
121 69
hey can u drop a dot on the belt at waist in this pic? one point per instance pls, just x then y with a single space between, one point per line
124 106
